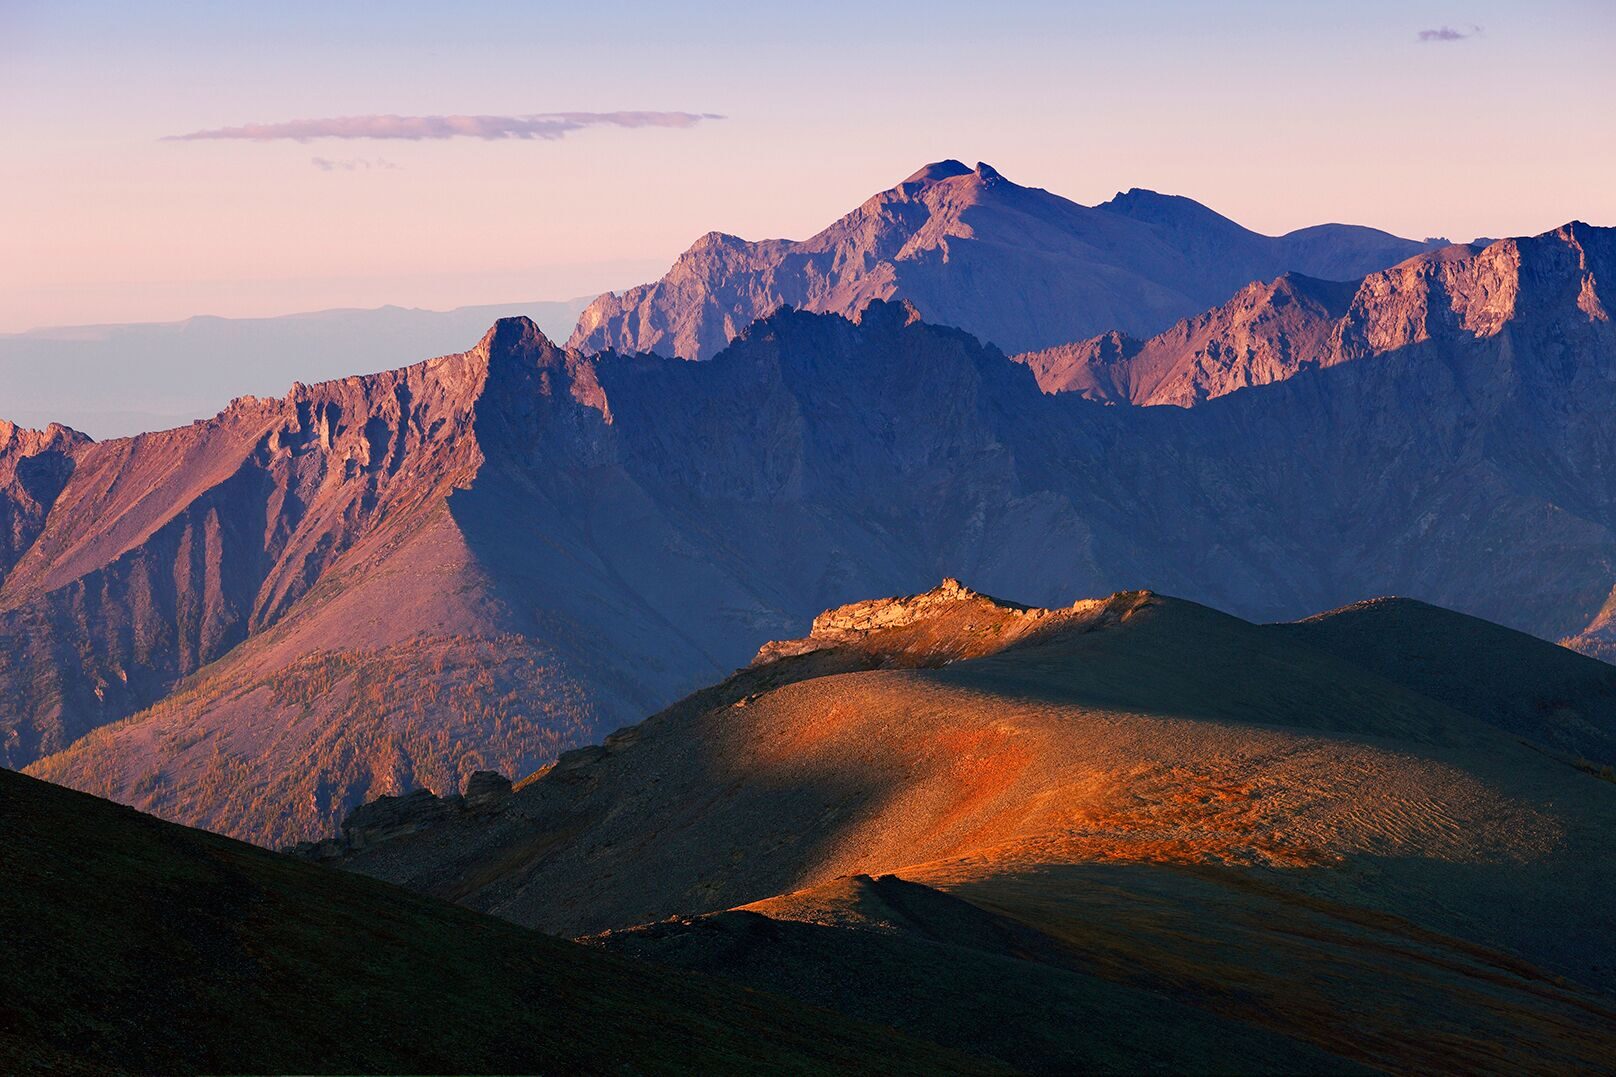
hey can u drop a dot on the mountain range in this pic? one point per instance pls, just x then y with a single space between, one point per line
1018 267
257 622
1127 834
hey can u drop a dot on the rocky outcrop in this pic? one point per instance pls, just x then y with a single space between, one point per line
861 618
856 622
488 793
487 790
948 623
1017 266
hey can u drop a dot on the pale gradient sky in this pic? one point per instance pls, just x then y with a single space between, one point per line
1276 114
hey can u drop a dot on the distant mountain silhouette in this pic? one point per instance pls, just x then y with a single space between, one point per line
1015 266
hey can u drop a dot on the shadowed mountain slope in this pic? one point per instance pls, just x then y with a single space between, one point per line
1132 791
1013 265
1551 696
290 585
136 946
945 970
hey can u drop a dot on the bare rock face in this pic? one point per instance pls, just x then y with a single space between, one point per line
1013 265
940 625
860 618
308 548
1266 333
487 789
1270 332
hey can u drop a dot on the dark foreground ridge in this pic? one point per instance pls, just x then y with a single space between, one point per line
136 946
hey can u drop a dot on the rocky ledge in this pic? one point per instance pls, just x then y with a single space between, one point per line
487 793
964 612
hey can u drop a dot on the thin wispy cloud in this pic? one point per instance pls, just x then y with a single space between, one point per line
542 125
352 164
1448 33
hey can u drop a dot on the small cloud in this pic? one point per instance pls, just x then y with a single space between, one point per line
352 164
542 125
1448 33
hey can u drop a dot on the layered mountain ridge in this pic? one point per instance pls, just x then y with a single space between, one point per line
121 380
1015 266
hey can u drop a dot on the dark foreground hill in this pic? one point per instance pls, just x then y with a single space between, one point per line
133 945
1133 833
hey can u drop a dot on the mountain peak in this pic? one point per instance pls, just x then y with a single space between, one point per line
970 239
518 343
715 239
515 335
938 171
